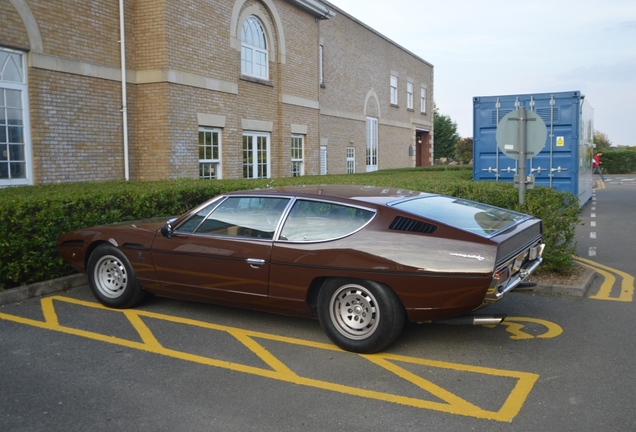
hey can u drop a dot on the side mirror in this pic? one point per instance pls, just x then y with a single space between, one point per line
167 230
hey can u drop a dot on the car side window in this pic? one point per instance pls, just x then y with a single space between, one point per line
255 217
319 221
191 224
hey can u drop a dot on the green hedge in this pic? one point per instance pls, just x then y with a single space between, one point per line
619 161
35 216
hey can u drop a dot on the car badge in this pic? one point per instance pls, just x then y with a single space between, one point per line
477 257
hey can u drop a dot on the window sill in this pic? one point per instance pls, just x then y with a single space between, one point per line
410 109
256 80
394 105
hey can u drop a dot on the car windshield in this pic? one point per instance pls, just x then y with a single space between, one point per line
482 219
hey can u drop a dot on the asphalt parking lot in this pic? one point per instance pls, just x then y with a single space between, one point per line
561 361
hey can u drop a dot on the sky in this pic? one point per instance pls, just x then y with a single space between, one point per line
495 47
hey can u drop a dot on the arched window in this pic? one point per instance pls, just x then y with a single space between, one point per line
253 49
15 147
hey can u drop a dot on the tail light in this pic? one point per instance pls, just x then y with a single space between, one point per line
499 279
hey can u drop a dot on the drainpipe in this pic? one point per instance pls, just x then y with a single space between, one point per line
124 108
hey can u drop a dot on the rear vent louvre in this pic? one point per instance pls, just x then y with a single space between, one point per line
405 224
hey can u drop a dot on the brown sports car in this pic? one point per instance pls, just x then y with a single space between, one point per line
361 259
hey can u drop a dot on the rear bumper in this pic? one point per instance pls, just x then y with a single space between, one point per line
531 259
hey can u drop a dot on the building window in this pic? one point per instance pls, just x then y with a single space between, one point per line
209 153
321 70
297 155
323 160
423 100
409 95
256 155
351 160
372 144
254 49
15 154
394 85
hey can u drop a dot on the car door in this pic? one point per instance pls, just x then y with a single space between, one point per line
222 252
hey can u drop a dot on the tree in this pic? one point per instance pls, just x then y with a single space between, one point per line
601 141
464 150
445 135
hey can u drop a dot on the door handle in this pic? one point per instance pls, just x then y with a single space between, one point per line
255 262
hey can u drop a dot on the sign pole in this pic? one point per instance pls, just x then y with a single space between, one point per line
519 134
522 154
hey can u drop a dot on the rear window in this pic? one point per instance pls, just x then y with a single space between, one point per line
320 221
478 218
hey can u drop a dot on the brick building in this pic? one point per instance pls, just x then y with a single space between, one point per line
213 89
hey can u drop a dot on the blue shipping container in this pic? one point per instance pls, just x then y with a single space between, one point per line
564 163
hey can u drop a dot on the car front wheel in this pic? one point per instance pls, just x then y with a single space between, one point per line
112 278
360 316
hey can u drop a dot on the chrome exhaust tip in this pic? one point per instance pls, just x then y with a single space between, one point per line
477 319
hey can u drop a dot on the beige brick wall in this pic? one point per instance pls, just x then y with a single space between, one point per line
299 74
150 153
149 34
86 30
77 134
12 31
358 63
183 59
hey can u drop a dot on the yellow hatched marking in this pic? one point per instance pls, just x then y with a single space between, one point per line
48 311
144 331
261 352
604 293
424 384
516 398
279 371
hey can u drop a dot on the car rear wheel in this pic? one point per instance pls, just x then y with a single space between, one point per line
360 316
112 278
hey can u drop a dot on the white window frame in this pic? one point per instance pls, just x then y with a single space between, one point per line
323 160
206 163
254 54
351 160
423 100
393 91
409 95
19 60
256 155
298 155
372 144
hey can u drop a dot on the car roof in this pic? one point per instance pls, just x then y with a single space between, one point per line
370 194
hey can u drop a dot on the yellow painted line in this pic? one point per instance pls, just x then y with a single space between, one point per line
516 398
277 370
145 333
424 384
261 352
604 293
48 311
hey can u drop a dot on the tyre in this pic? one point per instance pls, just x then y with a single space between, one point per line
112 278
360 316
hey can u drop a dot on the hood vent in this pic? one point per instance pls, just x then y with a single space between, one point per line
405 224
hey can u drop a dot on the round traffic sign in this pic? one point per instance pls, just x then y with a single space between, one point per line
508 138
